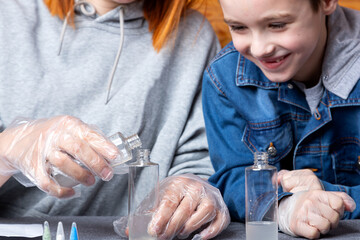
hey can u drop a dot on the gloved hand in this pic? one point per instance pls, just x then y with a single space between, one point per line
298 180
314 212
35 147
187 203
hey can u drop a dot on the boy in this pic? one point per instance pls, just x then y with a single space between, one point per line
288 85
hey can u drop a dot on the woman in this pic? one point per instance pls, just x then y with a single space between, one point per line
125 66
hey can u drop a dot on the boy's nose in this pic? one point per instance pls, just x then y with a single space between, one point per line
261 47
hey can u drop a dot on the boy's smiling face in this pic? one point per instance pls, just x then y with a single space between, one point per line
284 38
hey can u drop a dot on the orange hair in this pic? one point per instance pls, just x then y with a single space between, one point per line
163 16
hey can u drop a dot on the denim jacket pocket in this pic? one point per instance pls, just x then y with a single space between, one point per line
346 161
259 137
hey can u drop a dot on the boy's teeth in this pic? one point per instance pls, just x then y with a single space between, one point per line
279 59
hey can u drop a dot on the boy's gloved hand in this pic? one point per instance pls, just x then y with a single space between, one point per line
314 212
298 180
187 203
35 147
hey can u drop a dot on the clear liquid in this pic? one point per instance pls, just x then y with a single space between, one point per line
138 226
261 230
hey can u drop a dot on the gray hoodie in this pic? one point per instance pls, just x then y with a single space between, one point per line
156 95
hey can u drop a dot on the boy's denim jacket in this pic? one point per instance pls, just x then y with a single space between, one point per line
245 112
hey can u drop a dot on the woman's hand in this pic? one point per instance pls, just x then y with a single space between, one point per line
187 203
36 147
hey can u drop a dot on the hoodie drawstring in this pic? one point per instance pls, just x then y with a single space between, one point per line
84 6
84 10
121 20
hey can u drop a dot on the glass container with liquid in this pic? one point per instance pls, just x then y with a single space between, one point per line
261 193
143 195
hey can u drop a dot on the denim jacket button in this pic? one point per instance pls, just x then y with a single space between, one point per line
358 163
290 86
272 150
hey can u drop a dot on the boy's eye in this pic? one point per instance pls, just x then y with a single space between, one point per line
277 25
237 28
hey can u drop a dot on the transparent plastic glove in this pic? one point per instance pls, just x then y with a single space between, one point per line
36 147
298 180
311 213
187 203
120 227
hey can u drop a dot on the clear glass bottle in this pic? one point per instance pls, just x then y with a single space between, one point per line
143 194
261 194
125 146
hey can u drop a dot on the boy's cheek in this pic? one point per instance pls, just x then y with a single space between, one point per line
240 43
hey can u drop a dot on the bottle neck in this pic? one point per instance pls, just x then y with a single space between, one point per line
133 141
143 156
143 159
261 159
260 163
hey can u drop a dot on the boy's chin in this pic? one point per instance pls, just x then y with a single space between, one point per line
278 78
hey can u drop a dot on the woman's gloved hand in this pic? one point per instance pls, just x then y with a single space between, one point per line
35 147
187 203
298 180
314 212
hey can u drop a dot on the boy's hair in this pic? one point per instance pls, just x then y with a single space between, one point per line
315 4
163 16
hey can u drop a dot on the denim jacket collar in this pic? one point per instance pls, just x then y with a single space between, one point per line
248 74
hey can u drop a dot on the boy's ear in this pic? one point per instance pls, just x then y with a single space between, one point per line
328 6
